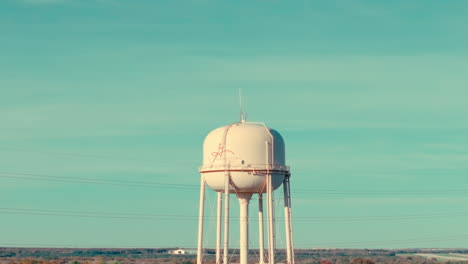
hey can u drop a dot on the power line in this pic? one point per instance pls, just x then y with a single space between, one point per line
84 180
87 212
94 216
380 192
141 216
148 184
46 177
74 154
144 184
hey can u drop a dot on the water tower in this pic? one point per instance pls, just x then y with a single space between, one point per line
244 159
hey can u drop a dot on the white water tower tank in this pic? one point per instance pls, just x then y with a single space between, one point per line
248 152
244 159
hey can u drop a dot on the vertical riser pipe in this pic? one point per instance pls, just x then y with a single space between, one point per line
286 220
261 236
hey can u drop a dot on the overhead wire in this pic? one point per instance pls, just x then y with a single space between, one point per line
73 154
142 216
150 184
147 184
84 180
193 187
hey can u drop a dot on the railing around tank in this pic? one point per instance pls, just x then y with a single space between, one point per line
245 167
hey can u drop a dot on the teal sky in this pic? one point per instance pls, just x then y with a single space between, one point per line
370 97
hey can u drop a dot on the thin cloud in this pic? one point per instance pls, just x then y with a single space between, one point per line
54 2
44 2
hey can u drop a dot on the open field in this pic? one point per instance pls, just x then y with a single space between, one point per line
445 257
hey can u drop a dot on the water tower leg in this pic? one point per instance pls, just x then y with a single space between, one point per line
290 220
218 227
227 181
287 219
201 213
244 199
261 246
271 221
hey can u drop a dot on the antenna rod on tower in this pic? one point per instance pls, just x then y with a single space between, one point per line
241 105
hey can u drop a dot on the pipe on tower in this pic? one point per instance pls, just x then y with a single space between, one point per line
287 219
288 175
261 236
271 215
271 224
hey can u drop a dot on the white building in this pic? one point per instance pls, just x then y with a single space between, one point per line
177 252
